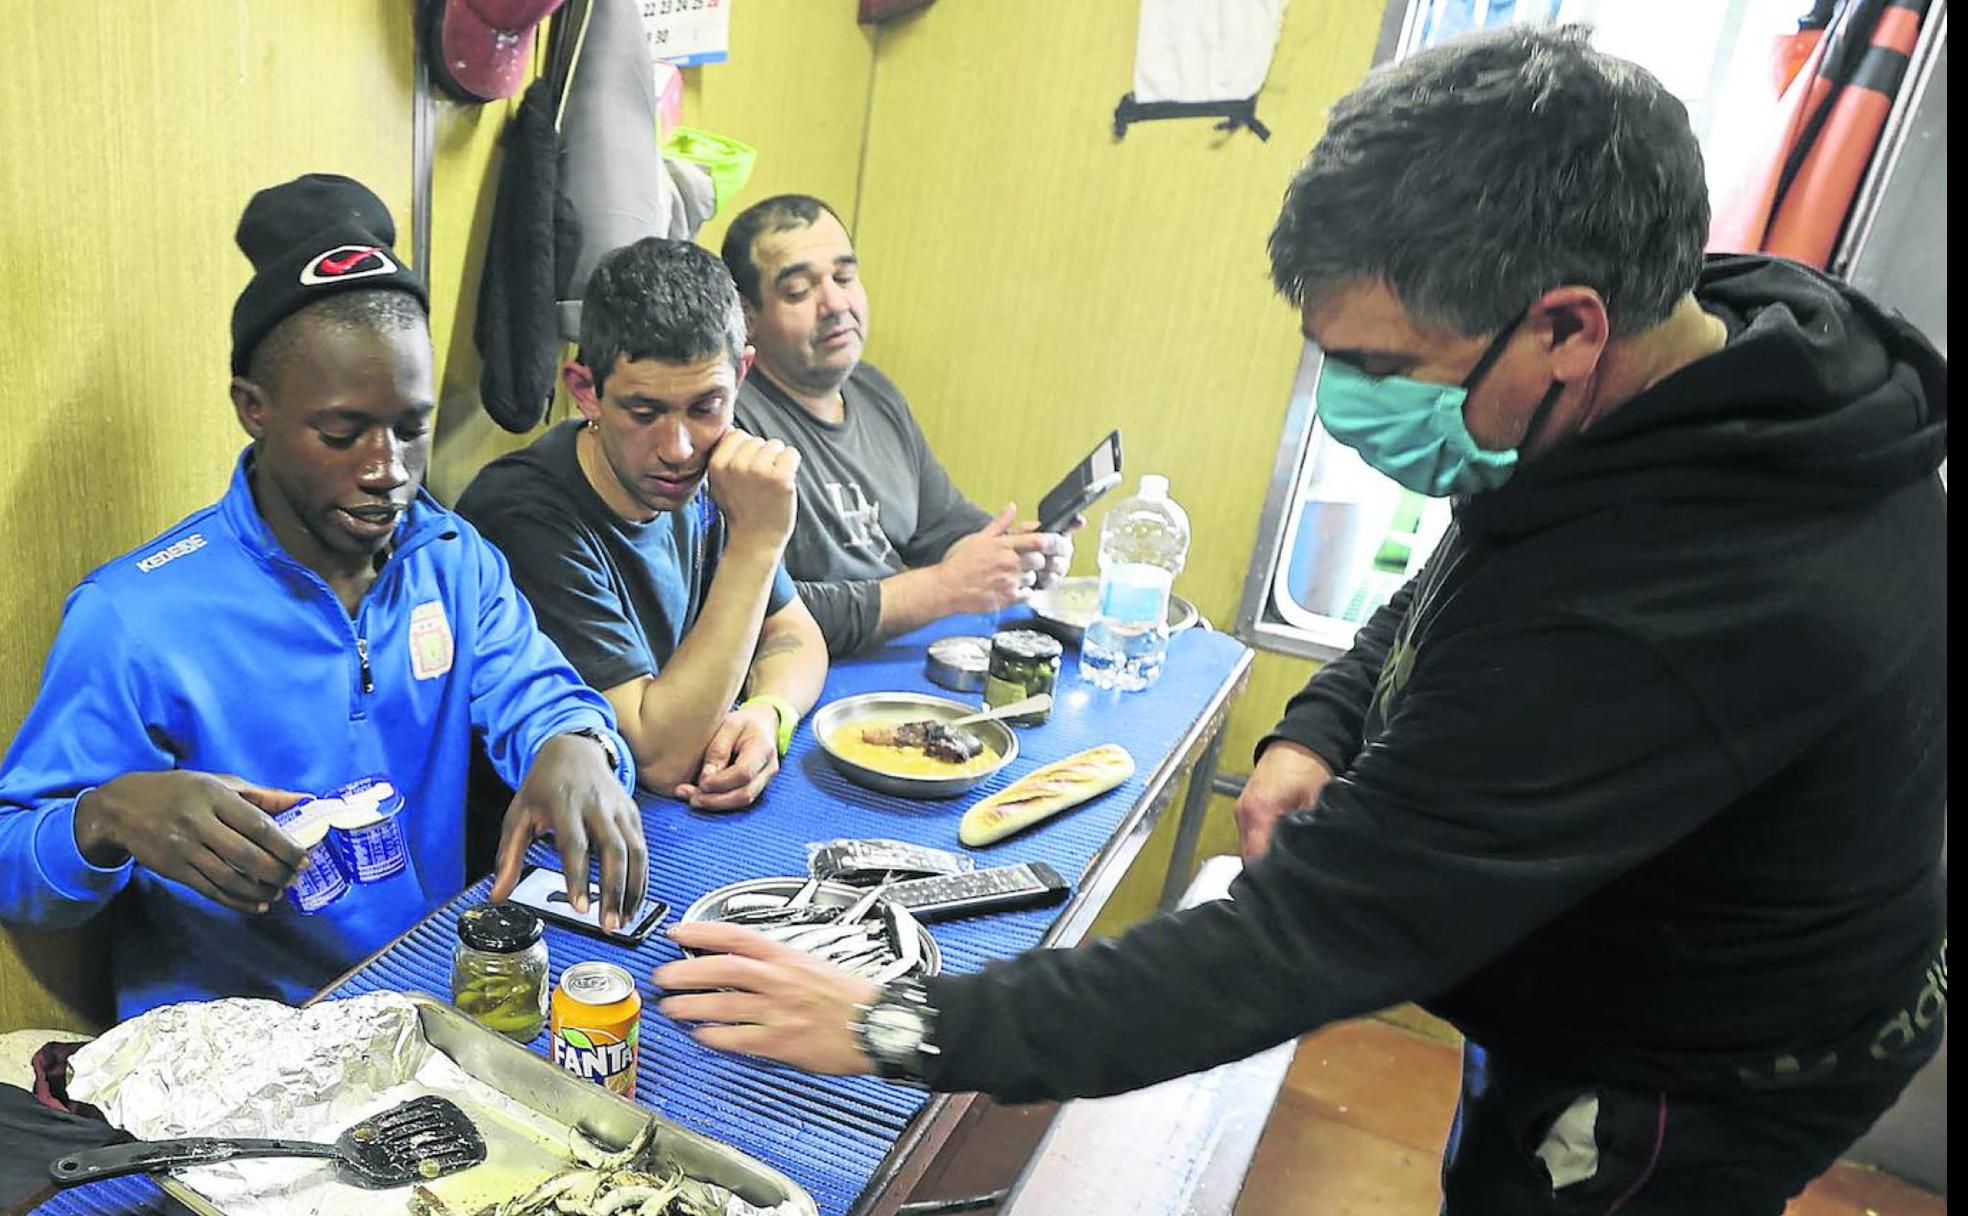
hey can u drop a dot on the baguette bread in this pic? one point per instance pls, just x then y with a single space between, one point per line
1045 792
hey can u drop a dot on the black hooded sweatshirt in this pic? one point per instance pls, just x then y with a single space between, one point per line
1643 777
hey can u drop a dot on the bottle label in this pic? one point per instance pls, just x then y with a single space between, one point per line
1136 593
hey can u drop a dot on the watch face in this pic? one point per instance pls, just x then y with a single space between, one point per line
894 1033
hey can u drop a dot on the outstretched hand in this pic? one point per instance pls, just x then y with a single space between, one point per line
213 832
572 792
209 831
775 1002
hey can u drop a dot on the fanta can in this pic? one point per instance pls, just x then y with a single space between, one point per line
597 1025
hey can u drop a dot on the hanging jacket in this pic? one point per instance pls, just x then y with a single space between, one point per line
210 649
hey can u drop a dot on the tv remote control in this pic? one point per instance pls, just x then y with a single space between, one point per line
1029 884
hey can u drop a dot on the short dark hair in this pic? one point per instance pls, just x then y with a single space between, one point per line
385 310
1479 174
659 299
779 213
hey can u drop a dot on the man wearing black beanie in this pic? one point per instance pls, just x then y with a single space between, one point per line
325 622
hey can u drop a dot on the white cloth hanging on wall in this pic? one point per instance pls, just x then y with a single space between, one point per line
1202 58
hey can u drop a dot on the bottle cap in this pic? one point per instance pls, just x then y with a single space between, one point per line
1154 487
501 928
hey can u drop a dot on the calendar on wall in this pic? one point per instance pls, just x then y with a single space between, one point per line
687 32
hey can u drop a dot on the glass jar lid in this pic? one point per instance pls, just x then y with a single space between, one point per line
1025 644
501 928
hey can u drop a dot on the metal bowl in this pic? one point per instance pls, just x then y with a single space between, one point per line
1065 609
830 894
830 717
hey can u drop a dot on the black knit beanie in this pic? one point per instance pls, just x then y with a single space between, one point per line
308 239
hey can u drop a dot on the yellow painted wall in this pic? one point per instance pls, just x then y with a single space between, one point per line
796 89
1034 282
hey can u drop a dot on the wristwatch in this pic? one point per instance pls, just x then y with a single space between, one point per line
898 1032
607 744
784 711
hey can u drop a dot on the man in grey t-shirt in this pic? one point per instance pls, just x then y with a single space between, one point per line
884 542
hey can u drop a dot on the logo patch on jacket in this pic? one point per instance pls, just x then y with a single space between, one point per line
190 544
430 641
347 262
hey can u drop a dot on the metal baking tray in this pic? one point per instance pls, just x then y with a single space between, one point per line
520 1153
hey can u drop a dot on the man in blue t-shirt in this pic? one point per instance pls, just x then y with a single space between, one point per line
648 533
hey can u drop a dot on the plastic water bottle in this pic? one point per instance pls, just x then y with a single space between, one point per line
1142 547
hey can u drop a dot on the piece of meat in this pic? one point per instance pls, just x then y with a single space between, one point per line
952 746
934 739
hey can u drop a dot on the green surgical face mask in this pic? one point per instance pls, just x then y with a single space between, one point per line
1413 431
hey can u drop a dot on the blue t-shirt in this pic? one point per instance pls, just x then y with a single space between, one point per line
615 595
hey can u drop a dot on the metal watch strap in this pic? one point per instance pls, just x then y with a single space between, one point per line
600 737
906 995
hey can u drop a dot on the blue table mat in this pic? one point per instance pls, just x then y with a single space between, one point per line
829 1134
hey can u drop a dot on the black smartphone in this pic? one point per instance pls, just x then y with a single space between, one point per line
1083 485
545 892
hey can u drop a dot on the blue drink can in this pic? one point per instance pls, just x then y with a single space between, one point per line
320 881
367 835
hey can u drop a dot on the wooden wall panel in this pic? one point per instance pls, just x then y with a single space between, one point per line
134 134
1035 282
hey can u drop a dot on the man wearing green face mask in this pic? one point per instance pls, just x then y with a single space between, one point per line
1413 430
1641 782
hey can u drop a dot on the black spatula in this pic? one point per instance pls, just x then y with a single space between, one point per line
415 1141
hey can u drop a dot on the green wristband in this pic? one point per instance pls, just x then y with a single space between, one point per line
783 709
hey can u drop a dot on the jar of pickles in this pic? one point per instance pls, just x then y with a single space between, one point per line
1024 663
499 970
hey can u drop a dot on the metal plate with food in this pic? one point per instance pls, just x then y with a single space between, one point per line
553 1142
852 927
1067 607
864 738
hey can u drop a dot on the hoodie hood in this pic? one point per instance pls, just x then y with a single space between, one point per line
1819 395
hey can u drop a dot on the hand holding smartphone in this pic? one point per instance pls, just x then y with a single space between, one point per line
1083 485
544 892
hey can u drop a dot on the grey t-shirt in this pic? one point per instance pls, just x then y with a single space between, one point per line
873 501
615 596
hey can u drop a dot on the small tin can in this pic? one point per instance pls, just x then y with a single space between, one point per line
597 1025
368 837
320 881
1024 663
959 663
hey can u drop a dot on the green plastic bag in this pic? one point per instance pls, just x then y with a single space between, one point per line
728 161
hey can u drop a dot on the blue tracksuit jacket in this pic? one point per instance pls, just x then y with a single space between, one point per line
209 648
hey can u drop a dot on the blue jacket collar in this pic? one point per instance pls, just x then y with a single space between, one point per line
426 520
